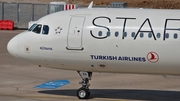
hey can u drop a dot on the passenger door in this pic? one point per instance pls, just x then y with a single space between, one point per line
75 33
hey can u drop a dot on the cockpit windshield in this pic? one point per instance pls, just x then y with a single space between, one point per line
36 28
32 27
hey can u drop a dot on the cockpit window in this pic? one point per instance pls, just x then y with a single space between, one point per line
45 29
37 29
32 27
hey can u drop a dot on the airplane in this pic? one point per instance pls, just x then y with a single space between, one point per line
106 40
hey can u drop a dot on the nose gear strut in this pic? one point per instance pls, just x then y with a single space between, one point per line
84 92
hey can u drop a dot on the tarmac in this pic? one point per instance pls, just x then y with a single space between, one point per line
18 79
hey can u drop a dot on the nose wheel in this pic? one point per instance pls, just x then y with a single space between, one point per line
84 92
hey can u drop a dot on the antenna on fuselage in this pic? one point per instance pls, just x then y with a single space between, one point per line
90 5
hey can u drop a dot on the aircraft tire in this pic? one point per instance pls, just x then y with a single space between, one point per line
83 93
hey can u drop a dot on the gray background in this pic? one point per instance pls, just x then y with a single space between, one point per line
23 13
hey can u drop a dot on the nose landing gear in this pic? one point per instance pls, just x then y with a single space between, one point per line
84 92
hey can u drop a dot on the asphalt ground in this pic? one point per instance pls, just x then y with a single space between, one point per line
18 79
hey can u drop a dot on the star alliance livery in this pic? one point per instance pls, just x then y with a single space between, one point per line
138 41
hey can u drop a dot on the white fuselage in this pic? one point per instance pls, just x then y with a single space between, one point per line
105 40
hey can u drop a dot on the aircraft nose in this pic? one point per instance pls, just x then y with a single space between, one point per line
12 47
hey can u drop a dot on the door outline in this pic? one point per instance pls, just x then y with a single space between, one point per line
75 32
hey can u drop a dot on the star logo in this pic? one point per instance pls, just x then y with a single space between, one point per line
58 30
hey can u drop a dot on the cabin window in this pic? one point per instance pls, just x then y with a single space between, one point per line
32 27
150 35
175 36
100 33
158 35
125 34
116 34
133 34
167 35
141 34
108 33
37 29
45 29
